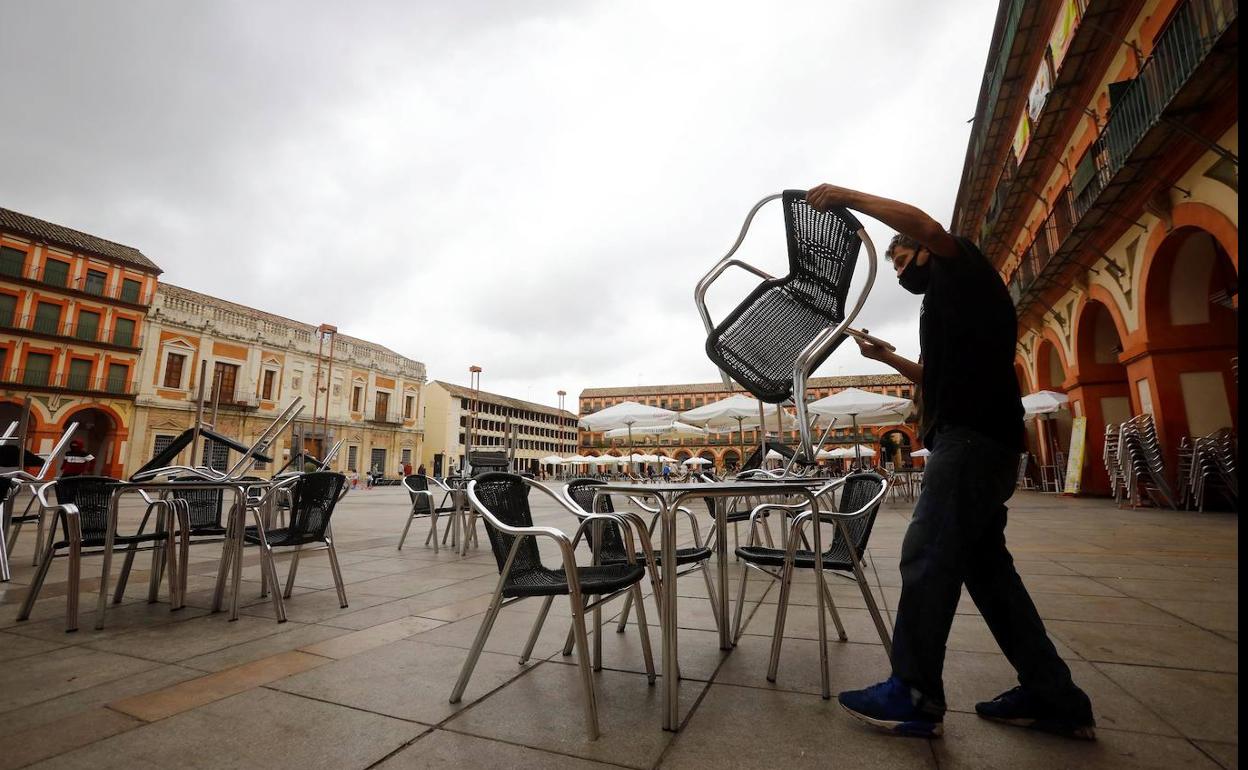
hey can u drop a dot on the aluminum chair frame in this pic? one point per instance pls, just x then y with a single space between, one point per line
164 558
10 525
821 345
801 520
578 604
432 512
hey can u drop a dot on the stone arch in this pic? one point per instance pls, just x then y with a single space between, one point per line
101 431
1100 391
1051 365
731 459
1020 372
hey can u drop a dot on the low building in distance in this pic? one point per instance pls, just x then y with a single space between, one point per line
539 430
72 307
724 449
257 363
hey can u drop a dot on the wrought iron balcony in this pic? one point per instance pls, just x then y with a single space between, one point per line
92 333
42 379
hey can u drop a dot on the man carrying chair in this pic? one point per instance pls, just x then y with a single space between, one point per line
972 420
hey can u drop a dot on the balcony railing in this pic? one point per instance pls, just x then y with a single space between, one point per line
42 378
96 287
1195 29
125 336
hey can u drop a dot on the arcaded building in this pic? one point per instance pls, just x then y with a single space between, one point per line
1101 179
724 449
72 307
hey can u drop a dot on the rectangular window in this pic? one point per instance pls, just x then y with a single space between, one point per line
174 364
357 398
56 272
296 381
407 457
353 457
47 318
88 327
95 282
224 379
216 455
12 261
130 290
378 461
162 442
409 405
79 374
266 385
38 369
381 410
117 376
123 332
8 309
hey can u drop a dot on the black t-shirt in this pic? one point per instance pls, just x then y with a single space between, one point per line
967 333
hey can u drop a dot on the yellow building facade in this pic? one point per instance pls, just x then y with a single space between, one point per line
257 363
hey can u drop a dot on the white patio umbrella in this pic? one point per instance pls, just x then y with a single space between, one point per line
1044 402
737 410
696 461
671 429
627 414
863 408
924 452
552 460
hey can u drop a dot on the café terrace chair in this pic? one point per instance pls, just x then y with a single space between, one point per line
313 499
423 505
786 327
82 510
611 549
860 498
502 499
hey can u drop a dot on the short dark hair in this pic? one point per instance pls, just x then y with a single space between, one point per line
901 240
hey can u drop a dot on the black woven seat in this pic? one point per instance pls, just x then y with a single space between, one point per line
92 494
859 489
597 580
758 342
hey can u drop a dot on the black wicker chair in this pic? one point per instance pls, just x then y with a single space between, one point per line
853 519
313 498
502 499
82 510
418 488
8 498
611 549
786 327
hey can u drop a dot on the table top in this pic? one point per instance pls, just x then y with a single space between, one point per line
714 488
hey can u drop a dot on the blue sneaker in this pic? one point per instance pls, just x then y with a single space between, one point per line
890 706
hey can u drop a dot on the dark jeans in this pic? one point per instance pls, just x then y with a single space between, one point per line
957 536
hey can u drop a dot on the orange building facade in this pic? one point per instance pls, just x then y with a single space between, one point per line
1101 180
725 449
72 309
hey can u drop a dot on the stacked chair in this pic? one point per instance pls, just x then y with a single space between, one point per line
1141 464
1210 468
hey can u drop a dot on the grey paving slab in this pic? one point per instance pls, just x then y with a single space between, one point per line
257 728
440 748
1200 704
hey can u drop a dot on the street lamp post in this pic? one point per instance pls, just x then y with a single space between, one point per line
474 382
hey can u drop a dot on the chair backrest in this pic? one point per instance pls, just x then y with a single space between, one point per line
505 496
759 342
312 501
582 493
204 505
91 495
857 493
414 483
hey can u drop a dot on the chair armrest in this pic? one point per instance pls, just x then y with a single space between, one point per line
626 531
273 490
41 494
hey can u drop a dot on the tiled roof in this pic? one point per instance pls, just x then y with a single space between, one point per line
40 230
177 292
460 391
846 381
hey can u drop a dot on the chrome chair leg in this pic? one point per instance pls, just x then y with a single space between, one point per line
269 569
36 584
736 622
836 616
478 644
537 629
290 574
124 577
74 525
628 605
711 594
411 515
158 559
644 629
583 663
40 526
433 531
336 570
782 609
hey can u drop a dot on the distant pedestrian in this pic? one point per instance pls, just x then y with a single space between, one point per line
667 472
77 461
421 470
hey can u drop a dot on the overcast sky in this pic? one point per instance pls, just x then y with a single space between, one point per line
533 187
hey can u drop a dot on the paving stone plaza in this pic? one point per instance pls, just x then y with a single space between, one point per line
1141 603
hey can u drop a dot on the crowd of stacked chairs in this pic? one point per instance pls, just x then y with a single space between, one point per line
1207 471
1135 463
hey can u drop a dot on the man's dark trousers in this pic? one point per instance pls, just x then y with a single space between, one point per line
956 536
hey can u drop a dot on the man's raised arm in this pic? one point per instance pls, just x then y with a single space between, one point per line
902 217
